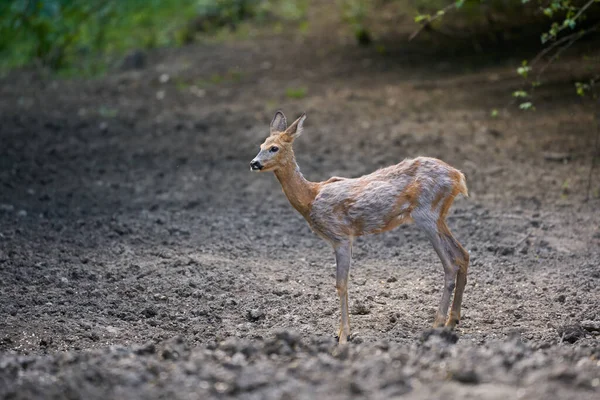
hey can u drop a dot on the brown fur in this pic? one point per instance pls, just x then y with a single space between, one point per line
397 217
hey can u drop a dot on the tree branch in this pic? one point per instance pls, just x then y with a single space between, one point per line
427 23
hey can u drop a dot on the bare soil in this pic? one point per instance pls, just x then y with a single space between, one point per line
140 258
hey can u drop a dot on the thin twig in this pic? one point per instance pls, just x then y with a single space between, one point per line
431 19
581 11
556 55
521 241
583 8
545 51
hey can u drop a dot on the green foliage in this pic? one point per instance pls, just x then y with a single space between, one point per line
524 69
60 34
565 18
526 106
54 33
296 93
588 88
355 12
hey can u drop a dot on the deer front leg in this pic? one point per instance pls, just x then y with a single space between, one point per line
342 259
450 272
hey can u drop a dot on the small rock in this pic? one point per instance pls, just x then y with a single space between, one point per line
392 279
360 309
7 207
134 60
22 213
356 339
195 90
524 249
356 388
591 326
561 298
466 376
571 333
557 157
445 335
149 312
563 374
290 337
147 349
255 314
164 78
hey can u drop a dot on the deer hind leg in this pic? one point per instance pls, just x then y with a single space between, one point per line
342 257
457 258
446 248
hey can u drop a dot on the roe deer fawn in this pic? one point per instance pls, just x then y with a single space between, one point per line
420 190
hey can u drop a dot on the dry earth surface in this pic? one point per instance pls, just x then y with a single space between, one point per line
140 258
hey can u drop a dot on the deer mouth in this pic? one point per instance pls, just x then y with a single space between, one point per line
256 166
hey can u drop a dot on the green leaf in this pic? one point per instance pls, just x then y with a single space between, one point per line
459 3
523 71
570 23
519 93
494 113
422 17
581 88
526 106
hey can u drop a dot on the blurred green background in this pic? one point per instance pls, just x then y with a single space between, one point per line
92 34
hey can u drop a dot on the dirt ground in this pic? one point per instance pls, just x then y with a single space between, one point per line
140 258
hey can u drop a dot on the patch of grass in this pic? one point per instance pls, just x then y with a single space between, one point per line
182 85
235 75
215 79
296 93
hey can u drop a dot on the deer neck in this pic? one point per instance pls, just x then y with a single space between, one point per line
297 189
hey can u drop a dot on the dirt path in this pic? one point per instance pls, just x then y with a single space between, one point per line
139 258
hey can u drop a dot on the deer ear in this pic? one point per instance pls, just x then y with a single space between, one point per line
279 123
296 128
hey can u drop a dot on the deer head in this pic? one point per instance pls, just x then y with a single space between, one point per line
276 151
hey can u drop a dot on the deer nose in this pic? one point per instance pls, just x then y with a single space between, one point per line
255 165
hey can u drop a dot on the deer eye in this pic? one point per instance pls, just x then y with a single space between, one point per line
274 149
